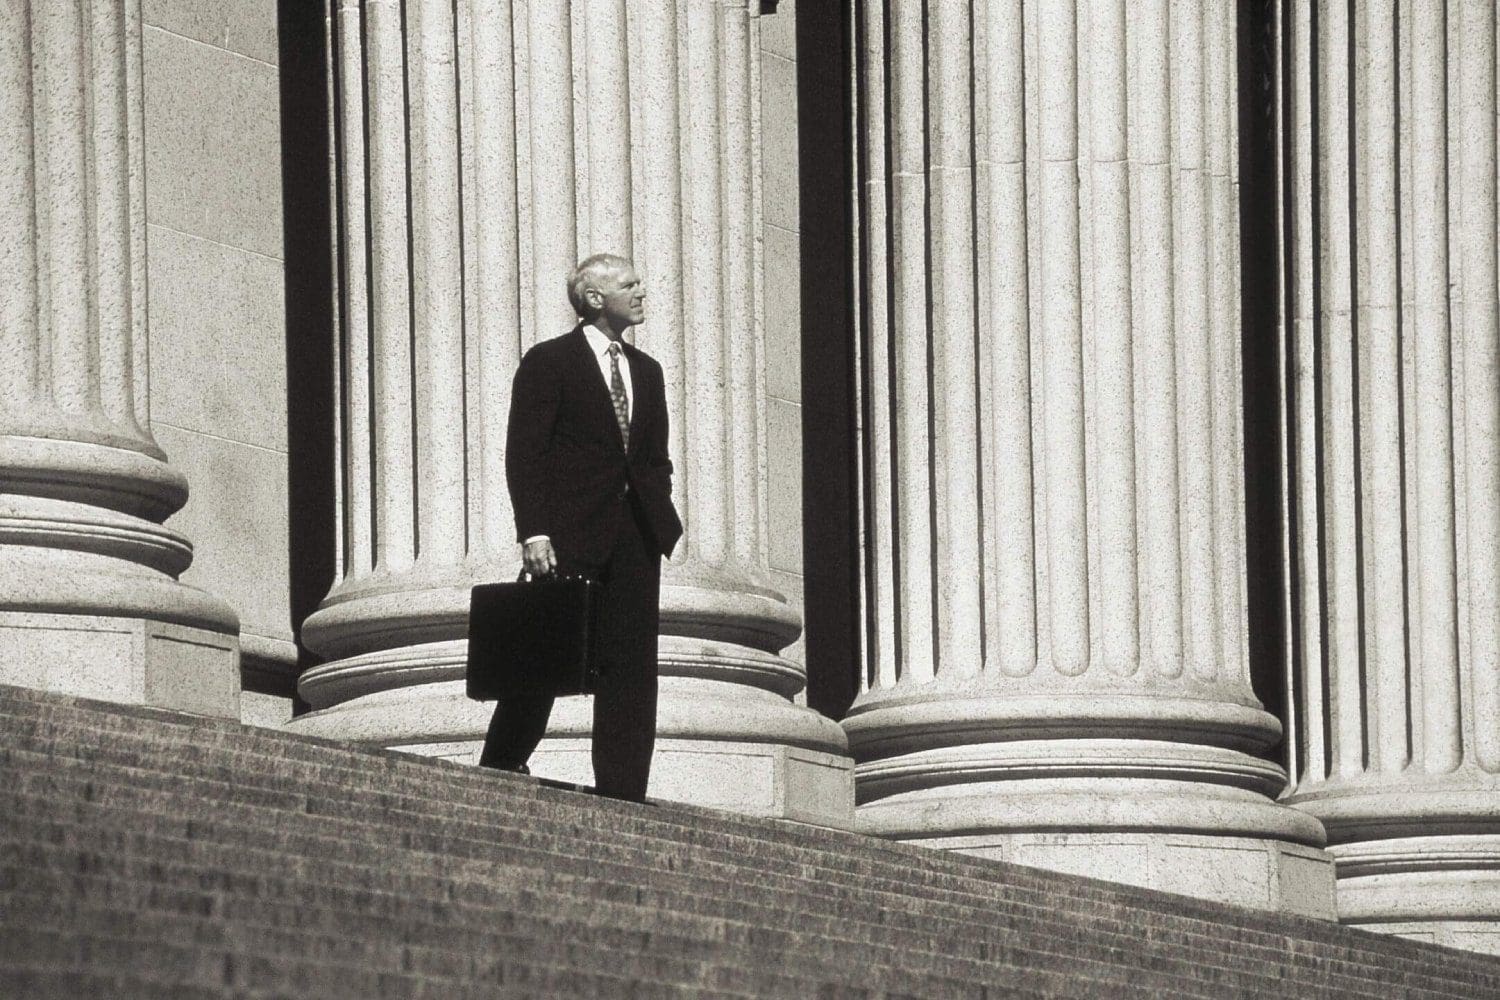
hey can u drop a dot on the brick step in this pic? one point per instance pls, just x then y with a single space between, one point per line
1127 931
424 786
53 984
685 821
1271 929
1196 957
120 879
493 806
189 826
695 822
386 948
927 904
64 953
37 901
380 952
504 815
510 826
983 907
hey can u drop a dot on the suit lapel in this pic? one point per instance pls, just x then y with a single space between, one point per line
639 395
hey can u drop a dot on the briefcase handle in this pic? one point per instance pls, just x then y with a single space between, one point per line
521 576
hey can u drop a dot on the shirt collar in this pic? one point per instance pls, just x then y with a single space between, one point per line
598 342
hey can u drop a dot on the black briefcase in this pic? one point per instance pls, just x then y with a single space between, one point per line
533 635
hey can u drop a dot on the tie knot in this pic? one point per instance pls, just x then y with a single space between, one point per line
614 350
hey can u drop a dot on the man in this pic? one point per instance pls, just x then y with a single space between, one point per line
591 484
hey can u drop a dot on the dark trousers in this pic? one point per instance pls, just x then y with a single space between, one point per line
625 695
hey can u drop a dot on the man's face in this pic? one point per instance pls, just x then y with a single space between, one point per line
620 297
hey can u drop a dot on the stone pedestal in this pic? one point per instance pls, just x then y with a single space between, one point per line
1056 666
1394 458
480 154
90 602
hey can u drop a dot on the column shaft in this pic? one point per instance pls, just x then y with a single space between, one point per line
1395 555
1114 448
91 603
1006 409
494 297
1057 669
484 147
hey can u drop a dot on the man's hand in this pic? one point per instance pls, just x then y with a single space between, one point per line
539 558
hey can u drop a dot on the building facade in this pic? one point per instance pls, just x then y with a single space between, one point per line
1085 413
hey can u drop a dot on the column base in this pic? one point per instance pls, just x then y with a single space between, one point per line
1184 818
1241 871
1418 853
755 779
268 711
137 661
758 769
1444 889
1481 936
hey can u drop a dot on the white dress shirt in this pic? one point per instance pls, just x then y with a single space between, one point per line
599 344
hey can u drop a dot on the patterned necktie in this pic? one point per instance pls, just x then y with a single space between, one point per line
617 395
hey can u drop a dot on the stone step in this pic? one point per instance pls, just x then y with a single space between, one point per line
1088 931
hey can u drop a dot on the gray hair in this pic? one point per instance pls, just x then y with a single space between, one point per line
588 271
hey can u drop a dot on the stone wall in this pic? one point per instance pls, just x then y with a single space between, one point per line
218 349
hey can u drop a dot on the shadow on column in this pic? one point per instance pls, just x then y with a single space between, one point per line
307 242
829 525
1259 294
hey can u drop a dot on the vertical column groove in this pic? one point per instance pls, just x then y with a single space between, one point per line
1062 334
909 330
1438 651
955 441
1116 639
437 266
741 398
709 514
1154 360
1481 390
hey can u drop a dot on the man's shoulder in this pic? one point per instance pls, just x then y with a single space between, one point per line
637 355
552 347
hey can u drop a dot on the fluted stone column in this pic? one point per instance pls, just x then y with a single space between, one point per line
479 154
89 600
1394 457
1053 575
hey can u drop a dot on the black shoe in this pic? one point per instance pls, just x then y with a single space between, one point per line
513 768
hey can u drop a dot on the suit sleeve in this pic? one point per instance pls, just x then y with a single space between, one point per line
534 401
659 461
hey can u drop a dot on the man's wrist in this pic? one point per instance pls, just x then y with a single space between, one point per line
537 538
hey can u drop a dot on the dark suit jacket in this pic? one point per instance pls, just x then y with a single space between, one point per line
565 464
